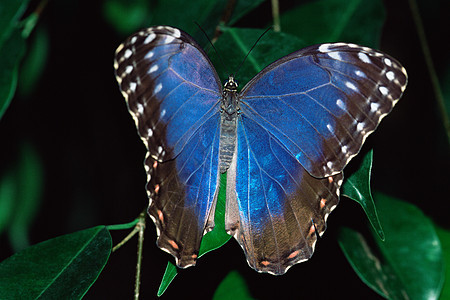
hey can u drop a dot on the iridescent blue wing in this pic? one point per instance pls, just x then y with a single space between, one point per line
323 101
173 94
279 207
302 119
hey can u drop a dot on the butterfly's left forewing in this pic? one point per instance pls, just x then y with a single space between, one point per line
173 94
301 120
323 101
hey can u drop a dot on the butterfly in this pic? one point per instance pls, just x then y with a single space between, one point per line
283 140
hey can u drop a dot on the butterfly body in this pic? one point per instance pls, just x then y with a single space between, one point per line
283 140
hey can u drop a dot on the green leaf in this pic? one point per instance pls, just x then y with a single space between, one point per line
218 236
214 239
127 16
34 62
232 282
10 13
61 268
28 174
357 21
357 188
408 264
412 247
184 14
235 44
11 53
12 48
20 192
372 271
7 196
444 237
169 275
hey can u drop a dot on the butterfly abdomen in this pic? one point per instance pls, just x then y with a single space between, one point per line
228 116
227 142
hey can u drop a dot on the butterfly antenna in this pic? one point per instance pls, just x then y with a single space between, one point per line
254 45
211 43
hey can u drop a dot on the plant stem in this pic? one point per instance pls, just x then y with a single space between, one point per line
141 227
276 16
429 62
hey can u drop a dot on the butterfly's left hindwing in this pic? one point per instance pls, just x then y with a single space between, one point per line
282 208
173 94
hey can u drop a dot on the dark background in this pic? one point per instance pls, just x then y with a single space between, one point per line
78 122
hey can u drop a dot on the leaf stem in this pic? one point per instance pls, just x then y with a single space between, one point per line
123 226
137 223
30 22
276 15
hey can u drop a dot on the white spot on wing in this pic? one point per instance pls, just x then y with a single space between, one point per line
334 55
344 149
150 132
140 108
149 55
158 88
168 39
176 33
360 73
341 104
360 126
330 128
154 68
127 53
128 69
149 38
133 86
324 48
351 86
383 90
390 75
388 62
362 56
374 106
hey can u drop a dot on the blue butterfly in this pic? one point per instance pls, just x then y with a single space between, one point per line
283 140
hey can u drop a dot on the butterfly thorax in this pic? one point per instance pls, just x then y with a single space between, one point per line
229 112
229 107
